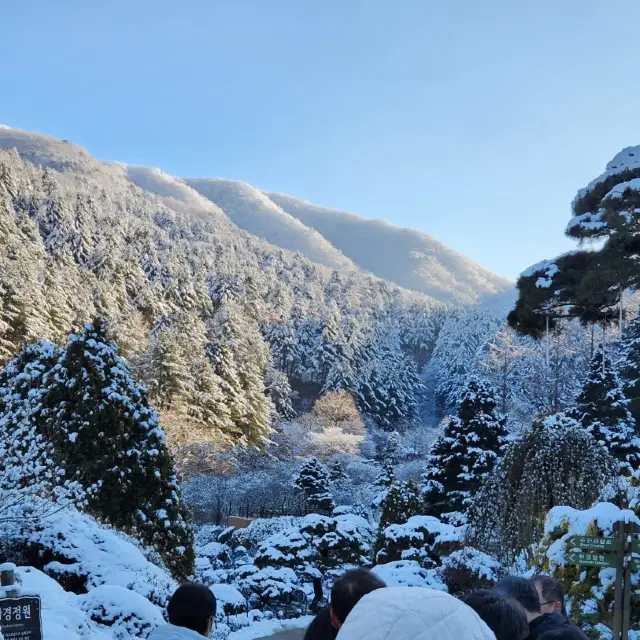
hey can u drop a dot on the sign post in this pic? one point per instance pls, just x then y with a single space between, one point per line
615 552
20 616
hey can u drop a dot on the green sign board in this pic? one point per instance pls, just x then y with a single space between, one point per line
591 542
592 559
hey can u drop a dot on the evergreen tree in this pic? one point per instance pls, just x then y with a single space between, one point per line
392 447
555 462
313 481
29 467
241 357
630 367
104 429
337 472
279 391
603 410
401 503
383 482
466 452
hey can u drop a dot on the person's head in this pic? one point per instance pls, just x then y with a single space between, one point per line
503 616
193 606
523 592
407 613
551 594
321 627
348 590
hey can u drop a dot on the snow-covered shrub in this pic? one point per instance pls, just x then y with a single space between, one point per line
218 555
590 589
287 549
230 601
123 613
81 554
468 569
62 616
206 533
259 530
270 587
339 541
422 538
408 573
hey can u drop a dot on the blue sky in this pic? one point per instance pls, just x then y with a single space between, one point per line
473 121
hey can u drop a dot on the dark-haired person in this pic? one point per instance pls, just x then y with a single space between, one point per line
551 594
321 628
503 616
348 590
191 611
542 626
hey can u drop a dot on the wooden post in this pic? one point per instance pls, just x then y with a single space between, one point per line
620 533
630 530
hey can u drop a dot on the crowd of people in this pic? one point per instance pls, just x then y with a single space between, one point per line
362 607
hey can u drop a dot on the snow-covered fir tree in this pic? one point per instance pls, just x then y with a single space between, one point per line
603 410
279 391
337 472
30 467
241 359
384 482
104 430
401 502
392 447
466 453
313 481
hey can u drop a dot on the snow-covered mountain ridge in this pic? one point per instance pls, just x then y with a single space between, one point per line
335 239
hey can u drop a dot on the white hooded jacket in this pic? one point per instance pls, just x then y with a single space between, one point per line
413 613
171 632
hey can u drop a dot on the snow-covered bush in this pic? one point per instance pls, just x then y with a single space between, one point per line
82 555
468 569
423 539
260 529
121 612
590 589
270 587
408 573
62 616
230 601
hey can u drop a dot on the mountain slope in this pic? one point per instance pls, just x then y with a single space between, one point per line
408 257
254 212
331 238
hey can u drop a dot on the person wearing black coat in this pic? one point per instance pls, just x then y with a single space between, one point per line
555 626
542 626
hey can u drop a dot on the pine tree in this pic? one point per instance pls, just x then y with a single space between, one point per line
392 447
383 482
313 481
337 472
630 368
603 410
279 391
466 452
401 503
241 358
104 429
29 466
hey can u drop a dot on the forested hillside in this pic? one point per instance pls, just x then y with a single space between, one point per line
229 332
